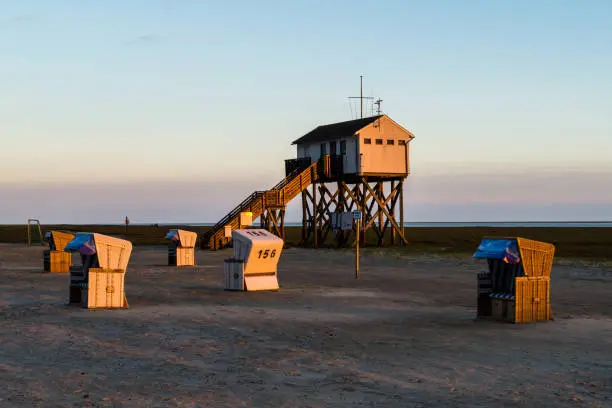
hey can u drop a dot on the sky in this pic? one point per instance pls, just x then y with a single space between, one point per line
174 111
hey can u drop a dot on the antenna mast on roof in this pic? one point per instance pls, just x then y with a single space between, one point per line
361 97
377 103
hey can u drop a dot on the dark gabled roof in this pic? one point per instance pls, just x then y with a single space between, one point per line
336 130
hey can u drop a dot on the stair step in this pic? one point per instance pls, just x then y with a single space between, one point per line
286 190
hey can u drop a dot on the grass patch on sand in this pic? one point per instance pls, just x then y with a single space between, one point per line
593 244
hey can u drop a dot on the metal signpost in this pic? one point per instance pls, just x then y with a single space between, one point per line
357 218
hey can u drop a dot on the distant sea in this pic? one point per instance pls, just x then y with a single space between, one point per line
540 224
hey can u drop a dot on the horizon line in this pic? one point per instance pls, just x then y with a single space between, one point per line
299 222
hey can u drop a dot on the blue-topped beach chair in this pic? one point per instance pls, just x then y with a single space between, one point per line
516 287
98 283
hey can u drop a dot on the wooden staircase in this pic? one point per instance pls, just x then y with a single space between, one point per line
260 201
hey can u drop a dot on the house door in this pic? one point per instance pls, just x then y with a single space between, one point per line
362 163
343 155
332 149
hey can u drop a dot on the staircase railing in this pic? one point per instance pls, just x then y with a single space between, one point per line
299 179
287 179
246 203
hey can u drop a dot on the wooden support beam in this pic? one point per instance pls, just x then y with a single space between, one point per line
351 194
309 196
397 227
340 208
273 225
277 221
381 195
391 209
327 226
378 213
356 197
371 217
364 214
315 227
377 207
392 212
401 198
282 223
321 207
325 204
357 201
304 220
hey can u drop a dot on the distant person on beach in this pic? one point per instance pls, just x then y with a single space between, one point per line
127 222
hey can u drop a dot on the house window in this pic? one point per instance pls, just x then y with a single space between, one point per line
307 151
367 141
402 143
379 141
343 147
390 141
323 149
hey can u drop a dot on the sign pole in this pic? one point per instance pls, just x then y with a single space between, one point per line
357 219
357 252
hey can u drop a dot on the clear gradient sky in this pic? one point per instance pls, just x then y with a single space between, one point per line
173 111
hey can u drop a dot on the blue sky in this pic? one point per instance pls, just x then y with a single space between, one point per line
142 107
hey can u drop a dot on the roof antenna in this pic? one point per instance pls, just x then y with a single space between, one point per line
361 93
377 103
361 97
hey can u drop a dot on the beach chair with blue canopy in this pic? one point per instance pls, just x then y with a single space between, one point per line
516 286
98 283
